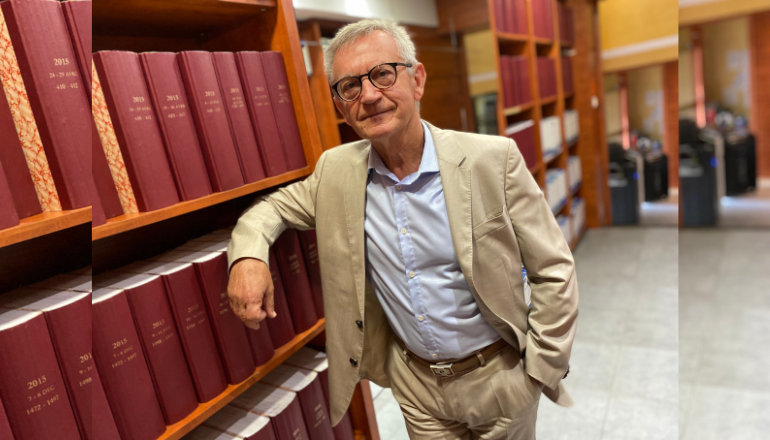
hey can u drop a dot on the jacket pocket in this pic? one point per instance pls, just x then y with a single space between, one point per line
497 221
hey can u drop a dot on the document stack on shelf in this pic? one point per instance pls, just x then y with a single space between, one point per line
574 172
578 214
564 225
556 188
571 126
550 137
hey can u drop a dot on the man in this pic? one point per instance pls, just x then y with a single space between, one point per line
422 234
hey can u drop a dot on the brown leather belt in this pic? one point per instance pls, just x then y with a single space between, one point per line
461 366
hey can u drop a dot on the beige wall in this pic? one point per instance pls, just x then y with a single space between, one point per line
645 101
612 108
726 64
696 12
686 75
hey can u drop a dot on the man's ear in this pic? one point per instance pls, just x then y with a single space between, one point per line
419 79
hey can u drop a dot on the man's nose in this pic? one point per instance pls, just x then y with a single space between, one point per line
369 93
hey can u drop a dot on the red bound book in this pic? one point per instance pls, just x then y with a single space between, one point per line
514 81
510 17
282 406
521 16
282 326
154 323
261 112
524 135
8 215
136 129
5 428
105 187
56 92
207 106
175 120
123 368
311 397
241 423
505 73
102 422
31 386
310 253
68 315
500 19
240 122
192 323
283 107
229 331
261 344
97 212
524 87
288 252
78 16
15 166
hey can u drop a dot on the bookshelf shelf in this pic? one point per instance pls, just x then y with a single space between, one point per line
509 37
549 100
127 222
510 111
535 168
206 410
543 41
547 160
574 190
43 224
572 143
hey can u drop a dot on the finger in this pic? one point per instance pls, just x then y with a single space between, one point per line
254 325
270 303
255 313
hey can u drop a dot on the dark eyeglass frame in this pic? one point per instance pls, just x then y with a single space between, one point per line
336 92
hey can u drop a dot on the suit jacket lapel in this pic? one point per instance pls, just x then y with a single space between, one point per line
355 212
456 180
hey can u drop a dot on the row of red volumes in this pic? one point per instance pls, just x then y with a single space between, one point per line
546 77
542 15
194 123
566 24
164 339
511 16
45 119
523 133
515 76
290 402
566 75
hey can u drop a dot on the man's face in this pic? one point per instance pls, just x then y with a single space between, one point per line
377 113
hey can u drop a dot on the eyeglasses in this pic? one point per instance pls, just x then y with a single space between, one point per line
382 76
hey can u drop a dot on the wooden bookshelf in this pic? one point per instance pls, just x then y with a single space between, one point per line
127 222
591 143
206 410
43 224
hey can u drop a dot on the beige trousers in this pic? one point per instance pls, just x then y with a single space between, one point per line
496 401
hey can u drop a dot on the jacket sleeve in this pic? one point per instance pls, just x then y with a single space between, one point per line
265 220
550 271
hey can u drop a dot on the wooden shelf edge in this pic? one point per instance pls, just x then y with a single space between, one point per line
510 111
549 159
559 208
510 37
575 242
206 410
549 100
127 222
535 168
43 224
543 41
573 191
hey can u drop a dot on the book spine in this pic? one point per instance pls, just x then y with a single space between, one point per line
12 159
283 107
8 215
107 193
31 385
176 124
499 9
510 16
238 115
290 424
97 211
109 142
344 429
5 427
200 81
123 370
25 125
229 331
261 112
160 342
315 412
78 16
294 275
309 243
70 329
102 423
136 129
505 74
261 344
282 326
192 322
48 67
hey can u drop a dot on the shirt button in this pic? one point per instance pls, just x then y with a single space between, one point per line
353 362
411 274
360 324
398 187
403 231
421 318
435 355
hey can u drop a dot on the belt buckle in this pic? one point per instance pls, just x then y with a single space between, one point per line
443 370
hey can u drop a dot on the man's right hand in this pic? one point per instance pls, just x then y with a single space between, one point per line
250 289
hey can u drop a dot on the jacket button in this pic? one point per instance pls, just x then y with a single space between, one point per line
353 362
360 324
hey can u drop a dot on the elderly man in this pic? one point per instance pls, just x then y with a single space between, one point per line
422 234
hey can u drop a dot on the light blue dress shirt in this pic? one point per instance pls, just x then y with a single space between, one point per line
412 265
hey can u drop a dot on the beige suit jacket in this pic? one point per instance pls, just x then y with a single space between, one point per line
498 219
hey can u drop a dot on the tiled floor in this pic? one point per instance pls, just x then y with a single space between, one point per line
624 374
724 332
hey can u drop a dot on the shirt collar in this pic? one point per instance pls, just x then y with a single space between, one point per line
428 162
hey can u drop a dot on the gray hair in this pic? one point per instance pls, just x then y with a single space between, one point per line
354 31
